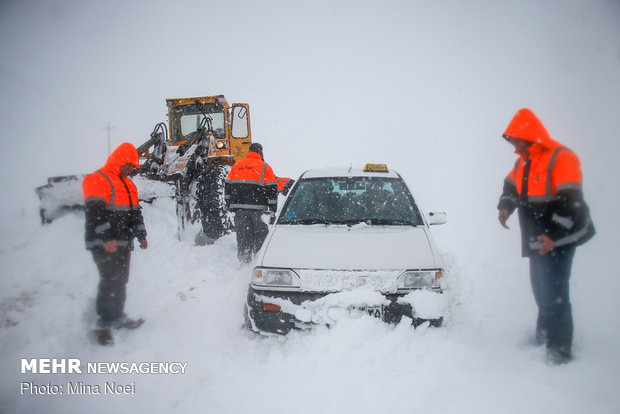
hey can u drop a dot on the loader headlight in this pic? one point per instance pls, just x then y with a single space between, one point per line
275 279
418 279
220 145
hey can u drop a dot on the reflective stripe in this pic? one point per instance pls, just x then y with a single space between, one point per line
103 227
262 173
94 243
552 160
563 221
535 245
514 200
234 181
572 238
121 208
112 204
248 206
548 192
92 199
543 198
569 186
112 189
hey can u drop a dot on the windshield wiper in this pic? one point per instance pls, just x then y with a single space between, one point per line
349 222
305 221
391 222
376 222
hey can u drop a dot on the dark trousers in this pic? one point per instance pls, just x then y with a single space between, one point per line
251 233
113 277
550 275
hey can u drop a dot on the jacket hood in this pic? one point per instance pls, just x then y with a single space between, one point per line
254 154
526 126
125 153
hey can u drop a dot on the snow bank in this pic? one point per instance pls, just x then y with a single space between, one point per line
192 299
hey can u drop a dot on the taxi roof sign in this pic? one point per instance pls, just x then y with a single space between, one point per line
376 168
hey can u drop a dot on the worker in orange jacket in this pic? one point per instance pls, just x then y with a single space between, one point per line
545 186
250 190
113 220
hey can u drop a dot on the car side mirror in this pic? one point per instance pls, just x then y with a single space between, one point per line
436 217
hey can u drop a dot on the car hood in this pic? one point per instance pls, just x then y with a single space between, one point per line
348 247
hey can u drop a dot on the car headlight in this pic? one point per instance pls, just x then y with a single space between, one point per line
268 278
419 279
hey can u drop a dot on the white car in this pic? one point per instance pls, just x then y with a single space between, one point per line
346 243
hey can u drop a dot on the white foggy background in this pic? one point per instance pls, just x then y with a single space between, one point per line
427 87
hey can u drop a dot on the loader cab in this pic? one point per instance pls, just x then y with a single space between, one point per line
230 138
185 119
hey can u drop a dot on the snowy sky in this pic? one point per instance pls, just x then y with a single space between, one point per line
427 87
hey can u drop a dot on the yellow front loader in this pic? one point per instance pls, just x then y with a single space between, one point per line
188 158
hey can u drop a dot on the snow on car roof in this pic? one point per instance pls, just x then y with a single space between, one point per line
346 172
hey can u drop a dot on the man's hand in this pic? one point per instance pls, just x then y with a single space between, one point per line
110 246
144 244
503 216
546 244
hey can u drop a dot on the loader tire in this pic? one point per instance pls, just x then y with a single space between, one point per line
215 220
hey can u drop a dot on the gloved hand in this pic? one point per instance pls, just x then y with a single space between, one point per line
287 186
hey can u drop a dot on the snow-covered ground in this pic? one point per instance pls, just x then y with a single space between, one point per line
192 299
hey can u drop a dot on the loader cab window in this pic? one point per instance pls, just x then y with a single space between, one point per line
187 118
190 123
240 122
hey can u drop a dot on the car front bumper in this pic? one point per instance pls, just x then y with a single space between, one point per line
286 311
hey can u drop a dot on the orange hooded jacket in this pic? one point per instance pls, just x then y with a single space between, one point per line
553 167
546 186
111 202
251 185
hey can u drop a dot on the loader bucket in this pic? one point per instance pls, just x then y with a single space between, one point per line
60 196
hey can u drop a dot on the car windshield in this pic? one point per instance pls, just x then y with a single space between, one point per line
351 200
